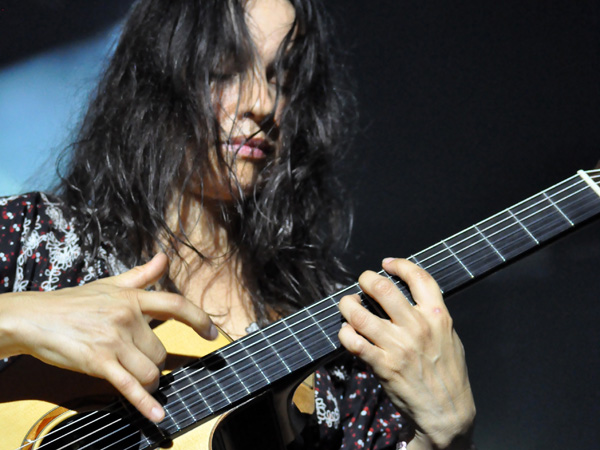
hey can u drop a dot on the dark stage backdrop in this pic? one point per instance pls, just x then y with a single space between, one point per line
466 108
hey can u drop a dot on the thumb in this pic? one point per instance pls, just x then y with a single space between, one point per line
141 277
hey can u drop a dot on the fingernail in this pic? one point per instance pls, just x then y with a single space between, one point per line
388 260
156 414
213 333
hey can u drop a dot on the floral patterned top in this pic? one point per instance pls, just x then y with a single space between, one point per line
40 250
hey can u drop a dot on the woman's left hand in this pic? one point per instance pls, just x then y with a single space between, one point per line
416 354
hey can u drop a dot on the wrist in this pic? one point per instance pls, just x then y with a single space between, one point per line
462 441
10 328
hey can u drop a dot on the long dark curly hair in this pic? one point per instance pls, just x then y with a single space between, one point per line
154 102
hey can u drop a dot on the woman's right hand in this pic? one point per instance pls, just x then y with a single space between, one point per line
102 329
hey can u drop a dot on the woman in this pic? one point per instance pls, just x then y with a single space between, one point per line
205 164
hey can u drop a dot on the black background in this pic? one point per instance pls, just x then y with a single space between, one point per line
466 108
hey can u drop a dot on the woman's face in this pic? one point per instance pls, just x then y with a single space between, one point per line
245 101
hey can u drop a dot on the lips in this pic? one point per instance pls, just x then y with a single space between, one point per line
255 148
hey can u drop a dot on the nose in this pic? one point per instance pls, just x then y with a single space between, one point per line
257 97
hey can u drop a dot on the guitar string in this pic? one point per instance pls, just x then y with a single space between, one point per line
559 218
503 220
251 386
428 267
542 228
342 291
255 343
181 422
540 232
593 173
331 297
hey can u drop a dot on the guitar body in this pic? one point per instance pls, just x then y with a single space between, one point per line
37 399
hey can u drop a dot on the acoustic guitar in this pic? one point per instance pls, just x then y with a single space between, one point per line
211 390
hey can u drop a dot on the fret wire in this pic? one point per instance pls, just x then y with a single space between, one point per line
238 342
578 182
489 243
457 258
506 236
503 229
417 262
191 414
298 341
559 210
322 301
284 339
322 330
336 313
250 386
523 226
434 273
248 355
332 315
278 355
429 268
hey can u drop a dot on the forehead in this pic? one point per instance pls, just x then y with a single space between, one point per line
269 21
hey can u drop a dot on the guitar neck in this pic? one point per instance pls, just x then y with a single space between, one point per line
477 250
246 367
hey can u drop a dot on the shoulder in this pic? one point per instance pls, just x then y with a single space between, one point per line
44 243
33 218
42 211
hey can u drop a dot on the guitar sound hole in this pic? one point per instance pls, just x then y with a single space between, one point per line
93 431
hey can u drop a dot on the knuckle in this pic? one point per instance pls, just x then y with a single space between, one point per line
359 348
422 331
442 318
408 356
177 304
125 383
420 275
161 356
383 286
359 318
447 322
151 376
123 315
136 271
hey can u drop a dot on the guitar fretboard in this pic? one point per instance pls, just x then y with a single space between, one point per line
241 370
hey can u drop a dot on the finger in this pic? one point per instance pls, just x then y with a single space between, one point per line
150 345
385 292
138 364
423 287
364 322
145 275
164 306
359 346
133 391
